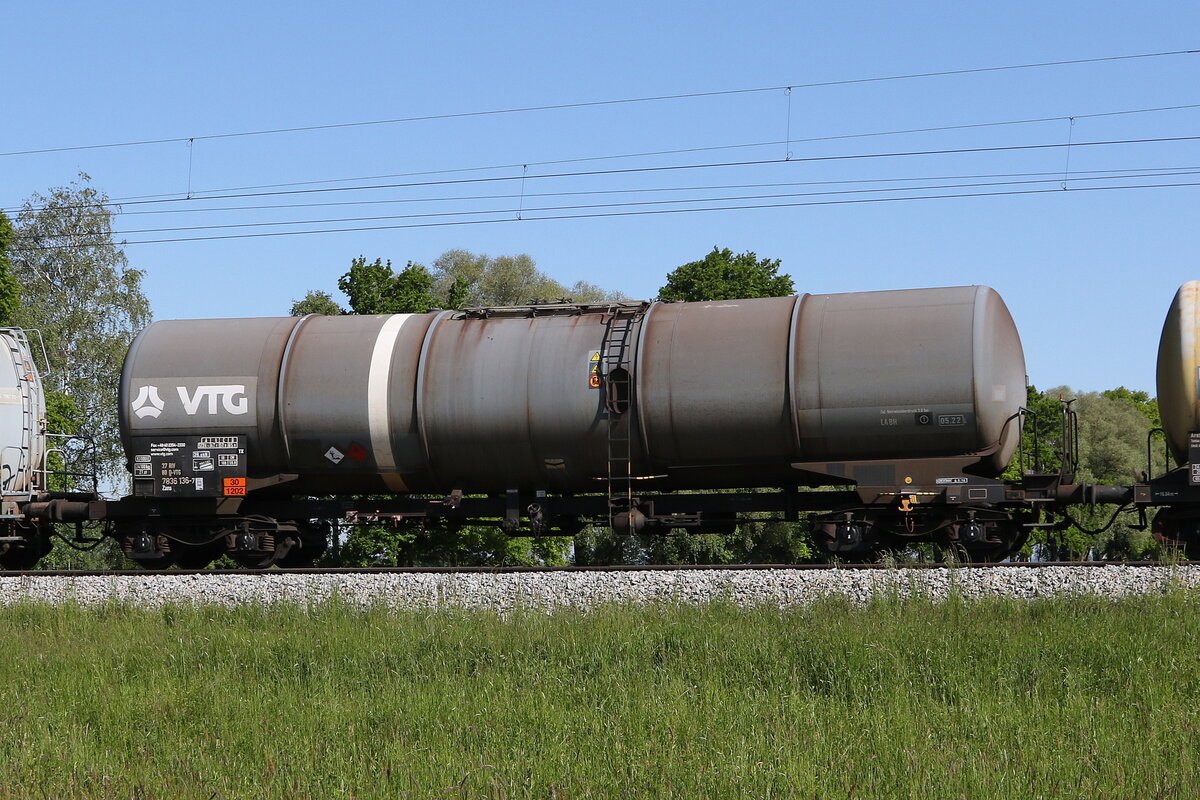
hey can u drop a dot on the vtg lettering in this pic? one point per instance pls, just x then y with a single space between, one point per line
232 398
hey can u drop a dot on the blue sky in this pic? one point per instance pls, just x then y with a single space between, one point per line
1087 274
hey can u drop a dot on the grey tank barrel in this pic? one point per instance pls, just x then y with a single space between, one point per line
22 419
1178 373
719 394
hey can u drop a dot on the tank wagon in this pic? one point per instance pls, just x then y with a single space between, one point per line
888 416
23 452
546 418
715 395
1178 376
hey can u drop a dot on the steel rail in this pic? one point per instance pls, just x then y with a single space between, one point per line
124 573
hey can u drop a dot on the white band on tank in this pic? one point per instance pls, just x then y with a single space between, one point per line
378 400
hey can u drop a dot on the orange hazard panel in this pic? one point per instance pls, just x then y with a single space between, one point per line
235 487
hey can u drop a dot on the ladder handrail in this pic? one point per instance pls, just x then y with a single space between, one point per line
618 385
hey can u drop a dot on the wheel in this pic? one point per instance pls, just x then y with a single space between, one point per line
307 545
146 547
951 553
25 555
1178 531
251 559
986 542
254 543
154 564
196 556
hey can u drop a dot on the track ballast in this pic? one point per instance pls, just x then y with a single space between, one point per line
510 589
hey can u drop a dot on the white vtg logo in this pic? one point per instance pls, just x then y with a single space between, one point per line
231 397
147 403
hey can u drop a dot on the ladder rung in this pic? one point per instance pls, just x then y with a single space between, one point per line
616 346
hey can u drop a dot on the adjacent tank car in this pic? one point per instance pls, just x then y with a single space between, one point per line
1178 492
23 452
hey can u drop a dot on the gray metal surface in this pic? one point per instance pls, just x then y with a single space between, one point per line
508 403
22 418
712 382
1179 370
218 376
907 374
347 401
726 394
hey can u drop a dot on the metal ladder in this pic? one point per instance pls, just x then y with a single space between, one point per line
618 401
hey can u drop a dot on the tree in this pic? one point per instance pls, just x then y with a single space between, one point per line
78 291
412 291
1113 426
376 289
462 278
62 415
10 289
457 279
470 545
1140 400
721 275
316 302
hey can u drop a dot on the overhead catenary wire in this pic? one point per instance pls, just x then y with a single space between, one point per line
715 148
212 193
510 219
655 189
595 103
682 167
689 210
167 204
1056 178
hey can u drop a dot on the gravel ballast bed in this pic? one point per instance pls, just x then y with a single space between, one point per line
552 590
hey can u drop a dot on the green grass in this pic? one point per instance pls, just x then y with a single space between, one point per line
995 699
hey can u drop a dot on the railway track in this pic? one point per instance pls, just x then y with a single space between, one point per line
504 589
76 573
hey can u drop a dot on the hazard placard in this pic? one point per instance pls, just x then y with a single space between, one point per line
595 370
234 487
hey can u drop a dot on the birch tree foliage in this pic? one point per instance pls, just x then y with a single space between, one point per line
79 293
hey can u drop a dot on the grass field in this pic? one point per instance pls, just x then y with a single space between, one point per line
996 699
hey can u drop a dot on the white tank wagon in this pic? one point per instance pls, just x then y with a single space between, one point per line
23 452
